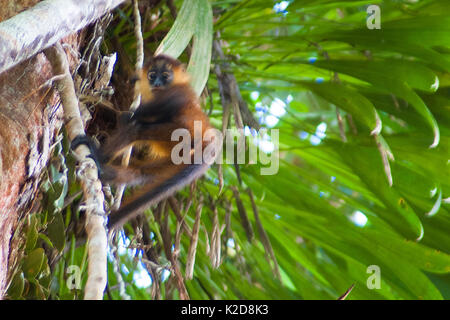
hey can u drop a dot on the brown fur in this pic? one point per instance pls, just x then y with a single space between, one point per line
150 132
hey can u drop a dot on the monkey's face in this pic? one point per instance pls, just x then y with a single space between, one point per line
164 71
160 74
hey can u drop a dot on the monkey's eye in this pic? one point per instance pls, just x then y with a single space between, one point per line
152 75
165 75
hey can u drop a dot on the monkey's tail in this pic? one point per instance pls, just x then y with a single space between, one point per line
155 194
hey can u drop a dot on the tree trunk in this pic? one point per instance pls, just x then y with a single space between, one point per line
30 116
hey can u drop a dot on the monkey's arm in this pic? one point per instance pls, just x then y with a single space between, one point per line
135 134
116 144
165 105
153 120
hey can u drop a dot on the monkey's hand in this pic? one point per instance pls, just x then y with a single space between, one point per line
106 173
90 143
84 139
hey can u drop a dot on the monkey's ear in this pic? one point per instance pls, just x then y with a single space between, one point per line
183 67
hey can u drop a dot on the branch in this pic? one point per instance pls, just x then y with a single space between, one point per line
230 94
92 187
190 260
41 26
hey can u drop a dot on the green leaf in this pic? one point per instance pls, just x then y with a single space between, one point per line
56 232
195 20
349 100
182 30
32 233
389 77
200 60
407 36
366 163
16 287
33 263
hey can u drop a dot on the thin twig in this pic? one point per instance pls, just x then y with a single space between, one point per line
116 267
243 214
167 242
385 155
345 295
341 125
263 235
180 218
190 260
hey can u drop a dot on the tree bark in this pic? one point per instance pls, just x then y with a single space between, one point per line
30 114
30 118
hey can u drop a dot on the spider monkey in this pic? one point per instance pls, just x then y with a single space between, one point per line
168 102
